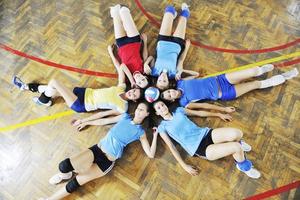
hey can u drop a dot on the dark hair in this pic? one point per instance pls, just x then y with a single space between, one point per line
133 106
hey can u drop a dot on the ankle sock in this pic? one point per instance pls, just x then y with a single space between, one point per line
265 68
244 165
33 87
185 13
170 9
44 99
273 81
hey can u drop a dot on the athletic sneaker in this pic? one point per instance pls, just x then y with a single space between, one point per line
184 6
290 74
252 173
273 81
114 10
57 178
265 68
19 83
38 102
246 147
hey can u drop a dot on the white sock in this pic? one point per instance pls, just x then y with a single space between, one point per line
66 175
265 68
114 10
290 74
273 81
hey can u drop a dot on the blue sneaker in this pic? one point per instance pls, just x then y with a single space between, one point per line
38 102
247 167
19 83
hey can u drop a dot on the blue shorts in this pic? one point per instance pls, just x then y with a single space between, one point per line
227 89
78 105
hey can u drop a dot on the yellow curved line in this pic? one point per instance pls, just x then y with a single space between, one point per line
66 113
36 121
271 60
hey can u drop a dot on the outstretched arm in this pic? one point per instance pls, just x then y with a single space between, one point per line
147 66
190 169
201 113
191 74
112 56
150 151
145 48
98 119
181 59
121 75
210 106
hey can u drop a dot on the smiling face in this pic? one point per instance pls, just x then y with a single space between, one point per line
170 94
141 112
162 81
161 108
140 79
133 94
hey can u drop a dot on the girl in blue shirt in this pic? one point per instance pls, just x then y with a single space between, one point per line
224 87
99 159
171 49
211 144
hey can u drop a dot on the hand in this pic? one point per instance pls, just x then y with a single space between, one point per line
155 131
76 122
229 109
191 170
134 85
144 37
147 69
178 75
81 126
225 117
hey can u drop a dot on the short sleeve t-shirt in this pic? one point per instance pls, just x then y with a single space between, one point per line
198 89
166 58
105 98
183 131
130 55
120 135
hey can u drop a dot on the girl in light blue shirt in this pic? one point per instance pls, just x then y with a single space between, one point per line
171 49
99 159
204 142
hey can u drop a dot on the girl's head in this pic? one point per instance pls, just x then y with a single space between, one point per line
133 94
141 111
170 94
162 81
140 79
160 108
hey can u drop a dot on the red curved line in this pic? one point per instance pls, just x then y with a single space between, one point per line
288 63
211 48
56 65
275 191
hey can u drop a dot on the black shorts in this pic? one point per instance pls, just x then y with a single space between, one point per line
177 40
127 40
206 141
101 160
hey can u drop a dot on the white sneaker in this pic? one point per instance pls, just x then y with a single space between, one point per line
114 10
252 173
290 74
265 68
57 178
273 81
184 6
37 101
246 147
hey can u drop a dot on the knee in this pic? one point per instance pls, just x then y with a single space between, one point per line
237 134
72 185
237 147
65 166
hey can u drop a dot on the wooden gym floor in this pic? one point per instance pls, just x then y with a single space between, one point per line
76 33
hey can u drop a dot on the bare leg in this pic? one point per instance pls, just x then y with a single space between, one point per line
220 135
246 87
181 28
57 88
167 24
216 151
82 178
238 76
118 26
128 22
